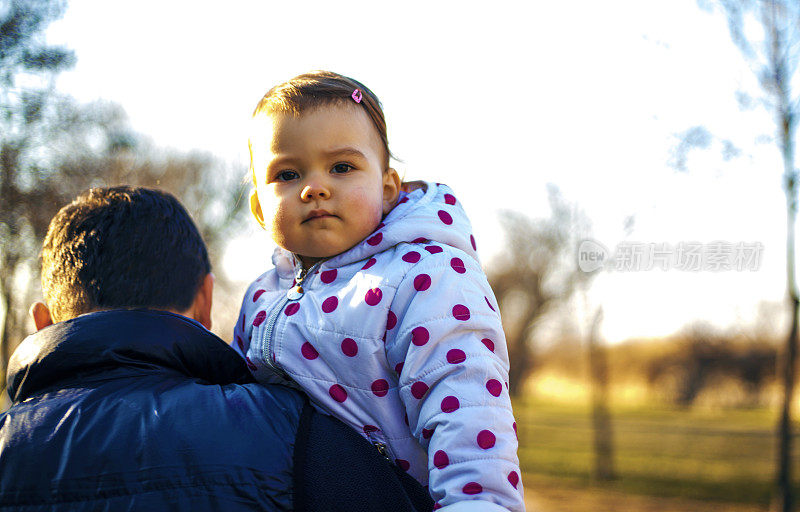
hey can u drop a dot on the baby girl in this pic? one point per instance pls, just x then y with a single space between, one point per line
377 306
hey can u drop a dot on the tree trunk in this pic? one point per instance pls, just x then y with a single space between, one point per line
601 418
9 328
785 498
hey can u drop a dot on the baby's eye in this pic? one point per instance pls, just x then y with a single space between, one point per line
287 176
341 168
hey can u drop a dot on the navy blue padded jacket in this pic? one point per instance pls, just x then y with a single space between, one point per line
147 410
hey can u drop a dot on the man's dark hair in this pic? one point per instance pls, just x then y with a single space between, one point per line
122 247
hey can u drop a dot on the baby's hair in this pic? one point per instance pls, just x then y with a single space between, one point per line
320 88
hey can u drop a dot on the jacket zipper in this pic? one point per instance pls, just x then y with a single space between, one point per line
294 293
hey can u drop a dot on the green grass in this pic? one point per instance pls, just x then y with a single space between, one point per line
713 455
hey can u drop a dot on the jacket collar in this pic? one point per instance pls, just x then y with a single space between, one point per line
120 342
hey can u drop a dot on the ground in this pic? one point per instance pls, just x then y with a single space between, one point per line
547 496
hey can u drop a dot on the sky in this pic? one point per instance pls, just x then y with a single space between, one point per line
497 100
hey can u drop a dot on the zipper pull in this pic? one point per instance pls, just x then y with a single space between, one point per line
382 449
295 293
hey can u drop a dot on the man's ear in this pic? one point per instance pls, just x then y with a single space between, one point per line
41 315
255 208
391 189
201 307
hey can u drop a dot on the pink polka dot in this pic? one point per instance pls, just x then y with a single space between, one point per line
418 389
514 426
370 428
380 387
433 249
398 368
292 308
338 393
445 217
391 321
402 464
449 199
420 240
472 488
411 257
250 364
240 343
422 282
461 312
328 276
513 479
259 319
419 336
375 239
308 351
494 387
349 347
486 439
258 294
381 225
489 343
456 356
404 200
369 263
488 303
330 304
437 506
472 241
373 296
450 404
458 265
440 459
427 434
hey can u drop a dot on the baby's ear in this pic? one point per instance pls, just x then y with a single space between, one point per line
255 208
391 189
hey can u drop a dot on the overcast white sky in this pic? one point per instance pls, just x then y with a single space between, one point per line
496 99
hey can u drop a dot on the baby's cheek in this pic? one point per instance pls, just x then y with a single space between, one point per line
372 212
277 222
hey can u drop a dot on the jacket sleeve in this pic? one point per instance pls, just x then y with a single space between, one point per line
451 356
243 329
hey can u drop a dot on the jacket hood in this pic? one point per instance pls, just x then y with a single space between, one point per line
120 341
426 212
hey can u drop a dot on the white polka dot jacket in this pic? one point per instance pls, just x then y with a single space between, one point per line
399 337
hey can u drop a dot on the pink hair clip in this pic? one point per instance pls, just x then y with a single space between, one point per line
356 96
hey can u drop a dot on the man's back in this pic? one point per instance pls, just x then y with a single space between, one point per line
142 410
128 409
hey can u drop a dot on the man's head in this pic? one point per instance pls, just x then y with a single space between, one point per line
123 247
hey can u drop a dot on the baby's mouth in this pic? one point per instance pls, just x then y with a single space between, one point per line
318 214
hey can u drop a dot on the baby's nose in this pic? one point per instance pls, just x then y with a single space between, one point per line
315 191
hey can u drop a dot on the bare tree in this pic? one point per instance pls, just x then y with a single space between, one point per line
537 271
52 148
601 416
773 55
23 58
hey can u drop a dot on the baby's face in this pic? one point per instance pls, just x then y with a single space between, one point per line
320 185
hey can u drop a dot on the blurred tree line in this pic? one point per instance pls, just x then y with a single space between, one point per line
699 366
52 148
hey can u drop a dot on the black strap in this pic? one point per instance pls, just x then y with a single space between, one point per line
335 469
